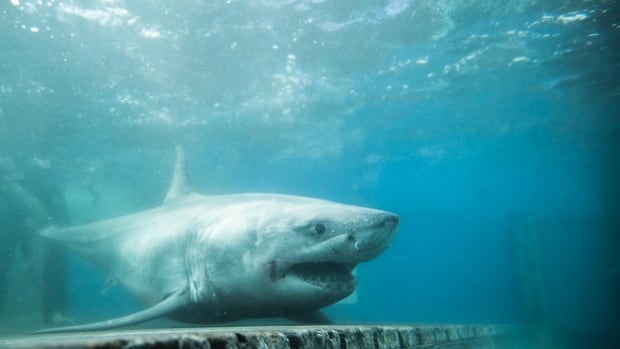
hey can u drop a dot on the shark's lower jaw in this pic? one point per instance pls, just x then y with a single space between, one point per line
331 276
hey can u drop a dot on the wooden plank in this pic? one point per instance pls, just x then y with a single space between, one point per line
280 337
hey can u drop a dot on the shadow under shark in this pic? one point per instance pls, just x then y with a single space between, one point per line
208 259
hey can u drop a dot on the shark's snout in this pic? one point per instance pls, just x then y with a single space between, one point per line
369 241
388 220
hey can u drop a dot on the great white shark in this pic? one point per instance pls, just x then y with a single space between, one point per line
209 259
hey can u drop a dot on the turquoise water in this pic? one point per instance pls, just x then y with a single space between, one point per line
477 122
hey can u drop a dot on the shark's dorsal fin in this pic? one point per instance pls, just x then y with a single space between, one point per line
179 186
171 303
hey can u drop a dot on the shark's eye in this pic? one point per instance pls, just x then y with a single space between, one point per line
319 228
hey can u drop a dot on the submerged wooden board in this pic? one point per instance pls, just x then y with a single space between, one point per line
286 337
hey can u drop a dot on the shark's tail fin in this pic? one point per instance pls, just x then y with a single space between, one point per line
48 231
36 214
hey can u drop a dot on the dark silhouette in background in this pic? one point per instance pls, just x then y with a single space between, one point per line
30 202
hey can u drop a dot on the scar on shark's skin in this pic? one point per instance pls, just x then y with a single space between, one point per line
191 259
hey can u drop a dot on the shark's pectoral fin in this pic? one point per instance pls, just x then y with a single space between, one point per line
172 302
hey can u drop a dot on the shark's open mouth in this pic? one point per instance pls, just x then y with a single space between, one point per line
328 275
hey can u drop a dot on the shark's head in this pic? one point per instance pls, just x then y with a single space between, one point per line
297 252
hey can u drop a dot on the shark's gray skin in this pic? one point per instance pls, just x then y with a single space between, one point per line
207 259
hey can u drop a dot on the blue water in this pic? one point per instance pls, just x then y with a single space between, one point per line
470 119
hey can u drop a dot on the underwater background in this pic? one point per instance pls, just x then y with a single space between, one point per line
491 128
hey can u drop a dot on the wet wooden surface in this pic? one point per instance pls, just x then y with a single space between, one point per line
288 337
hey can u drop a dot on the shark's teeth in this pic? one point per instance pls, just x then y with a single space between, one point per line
328 275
